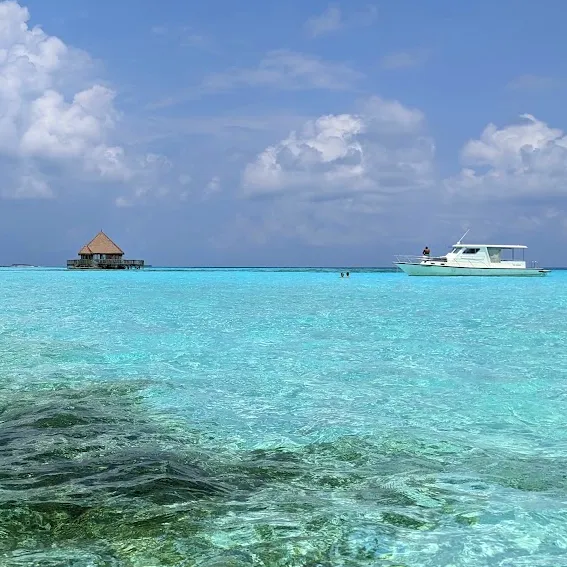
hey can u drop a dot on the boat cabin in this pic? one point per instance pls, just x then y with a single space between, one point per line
485 255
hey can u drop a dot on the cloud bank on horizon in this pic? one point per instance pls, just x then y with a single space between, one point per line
315 136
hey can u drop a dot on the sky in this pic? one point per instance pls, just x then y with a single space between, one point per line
293 133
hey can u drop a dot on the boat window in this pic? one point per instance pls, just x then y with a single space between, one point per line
495 255
509 254
471 250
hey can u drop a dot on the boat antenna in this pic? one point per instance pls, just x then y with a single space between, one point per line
460 239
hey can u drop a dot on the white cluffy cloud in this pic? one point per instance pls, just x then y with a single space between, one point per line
530 82
329 21
380 150
520 160
404 59
48 126
332 20
281 69
213 186
285 69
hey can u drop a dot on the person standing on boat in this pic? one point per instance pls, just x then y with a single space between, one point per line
426 251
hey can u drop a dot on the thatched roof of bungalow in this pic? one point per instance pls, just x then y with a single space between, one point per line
101 244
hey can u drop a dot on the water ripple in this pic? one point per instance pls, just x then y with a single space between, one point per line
235 418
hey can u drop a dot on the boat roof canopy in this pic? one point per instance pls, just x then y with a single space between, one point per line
503 246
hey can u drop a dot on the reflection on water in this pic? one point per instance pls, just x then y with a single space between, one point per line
88 478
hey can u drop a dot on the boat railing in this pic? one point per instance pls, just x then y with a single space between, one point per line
101 262
409 259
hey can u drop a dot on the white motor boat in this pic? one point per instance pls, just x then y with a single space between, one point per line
471 260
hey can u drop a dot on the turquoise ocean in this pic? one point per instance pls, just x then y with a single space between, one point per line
267 418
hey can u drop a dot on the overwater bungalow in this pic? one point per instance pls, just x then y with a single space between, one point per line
103 254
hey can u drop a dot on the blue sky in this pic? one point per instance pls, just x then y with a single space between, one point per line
281 133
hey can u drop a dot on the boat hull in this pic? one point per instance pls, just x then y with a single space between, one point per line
433 270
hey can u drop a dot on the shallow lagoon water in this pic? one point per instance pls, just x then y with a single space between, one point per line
231 418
